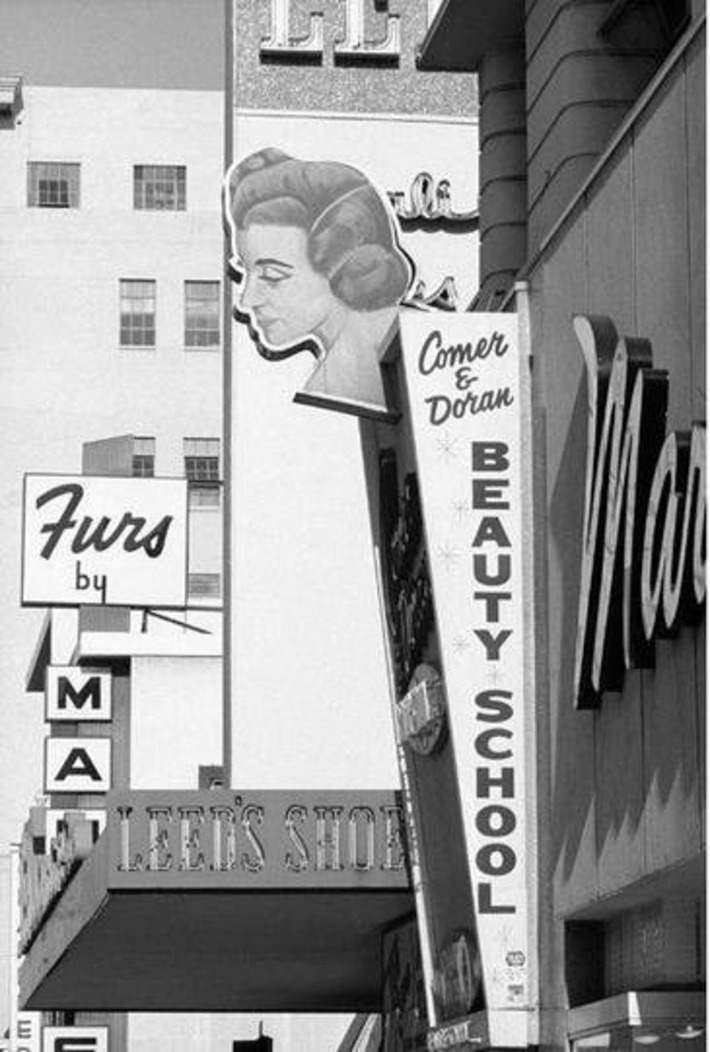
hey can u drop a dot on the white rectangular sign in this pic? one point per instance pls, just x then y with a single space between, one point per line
77 765
463 382
75 1039
77 694
95 540
27 1031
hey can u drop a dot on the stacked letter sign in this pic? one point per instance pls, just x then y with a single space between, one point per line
77 764
463 382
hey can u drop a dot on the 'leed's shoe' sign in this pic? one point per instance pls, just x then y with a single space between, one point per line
95 540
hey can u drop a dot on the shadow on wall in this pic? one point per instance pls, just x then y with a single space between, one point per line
573 796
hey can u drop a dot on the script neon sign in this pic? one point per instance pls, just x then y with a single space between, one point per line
643 546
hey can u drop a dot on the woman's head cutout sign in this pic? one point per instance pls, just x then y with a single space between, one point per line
315 252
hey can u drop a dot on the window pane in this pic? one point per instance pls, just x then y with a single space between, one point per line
143 462
201 447
137 313
159 187
143 466
204 495
203 584
202 314
202 469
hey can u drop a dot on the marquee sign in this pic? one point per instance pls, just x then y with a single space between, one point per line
90 540
258 839
643 545
464 392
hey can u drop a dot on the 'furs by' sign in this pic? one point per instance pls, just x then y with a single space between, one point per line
94 540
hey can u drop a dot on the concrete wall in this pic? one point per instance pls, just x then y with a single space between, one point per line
363 84
176 721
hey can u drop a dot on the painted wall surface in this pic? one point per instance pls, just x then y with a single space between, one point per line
308 654
96 43
65 378
626 792
176 720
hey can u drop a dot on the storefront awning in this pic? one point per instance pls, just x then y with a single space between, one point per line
222 901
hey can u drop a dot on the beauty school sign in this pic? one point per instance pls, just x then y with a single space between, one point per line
468 416
94 540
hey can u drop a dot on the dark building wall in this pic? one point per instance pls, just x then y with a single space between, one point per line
503 176
581 80
627 795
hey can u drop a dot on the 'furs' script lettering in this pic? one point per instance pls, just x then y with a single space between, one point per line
100 536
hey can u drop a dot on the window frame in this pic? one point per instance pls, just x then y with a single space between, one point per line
66 171
151 184
204 485
143 455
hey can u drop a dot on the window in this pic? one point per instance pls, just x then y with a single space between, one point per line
202 469
143 464
203 585
159 187
52 185
202 459
201 314
137 314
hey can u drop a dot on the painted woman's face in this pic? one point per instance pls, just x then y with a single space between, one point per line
285 297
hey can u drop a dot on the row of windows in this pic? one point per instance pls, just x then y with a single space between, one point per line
202 314
201 463
156 187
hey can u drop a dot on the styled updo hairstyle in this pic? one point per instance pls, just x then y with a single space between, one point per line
350 234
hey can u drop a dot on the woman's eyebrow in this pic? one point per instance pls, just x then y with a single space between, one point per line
265 261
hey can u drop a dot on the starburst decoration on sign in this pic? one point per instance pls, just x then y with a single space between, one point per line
447 556
447 445
460 508
459 644
493 675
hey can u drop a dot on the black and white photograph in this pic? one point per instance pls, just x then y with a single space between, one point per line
353 546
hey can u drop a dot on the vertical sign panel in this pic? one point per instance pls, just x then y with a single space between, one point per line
462 375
